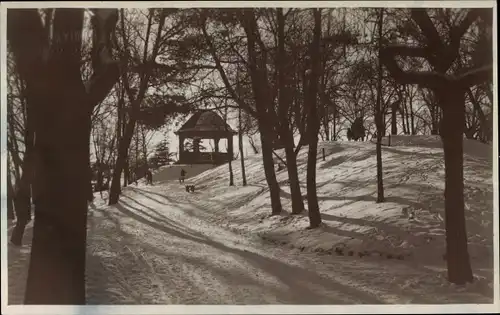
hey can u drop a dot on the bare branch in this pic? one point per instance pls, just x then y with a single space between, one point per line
475 76
425 79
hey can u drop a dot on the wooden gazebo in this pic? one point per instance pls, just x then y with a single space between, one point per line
205 124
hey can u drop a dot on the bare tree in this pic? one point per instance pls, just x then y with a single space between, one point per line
449 90
62 104
313 122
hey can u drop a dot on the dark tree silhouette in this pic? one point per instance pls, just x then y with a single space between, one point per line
450 91
313 123
62 103
379 116
257 65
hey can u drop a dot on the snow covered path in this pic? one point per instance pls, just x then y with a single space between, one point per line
157 247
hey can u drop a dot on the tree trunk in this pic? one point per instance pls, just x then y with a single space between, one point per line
293 176
22 198
435 120
231 175
379 116
458 262
403 121
253 145
313 124
10 196
240 145
121 164
394 122
285 132
407 115
62 124
267 158
412 116
335 119
263 105
62 177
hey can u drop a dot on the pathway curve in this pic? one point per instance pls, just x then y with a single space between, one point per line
157 247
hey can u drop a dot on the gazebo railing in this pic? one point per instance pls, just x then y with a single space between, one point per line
204 157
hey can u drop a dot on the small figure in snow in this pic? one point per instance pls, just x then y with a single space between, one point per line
149 177
183 176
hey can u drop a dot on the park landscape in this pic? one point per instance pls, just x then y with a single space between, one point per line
337 156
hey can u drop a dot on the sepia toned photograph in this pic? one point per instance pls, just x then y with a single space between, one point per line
245 154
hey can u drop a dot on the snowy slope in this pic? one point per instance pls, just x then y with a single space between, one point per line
413 180
162 245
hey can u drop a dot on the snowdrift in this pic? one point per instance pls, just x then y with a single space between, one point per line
352 220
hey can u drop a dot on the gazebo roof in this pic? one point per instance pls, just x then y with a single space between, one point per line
205 122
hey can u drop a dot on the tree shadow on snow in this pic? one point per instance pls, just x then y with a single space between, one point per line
291 276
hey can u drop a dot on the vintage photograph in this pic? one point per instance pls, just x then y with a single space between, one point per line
249 155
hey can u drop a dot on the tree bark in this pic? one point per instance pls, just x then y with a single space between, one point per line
267 158
394 122
285 131
379 116
22 197
263 103
230 151
313 124
63 106
450 93
121 163
452 101
10 196
240 145
412 116
403 120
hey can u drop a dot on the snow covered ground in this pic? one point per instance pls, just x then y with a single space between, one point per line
162 245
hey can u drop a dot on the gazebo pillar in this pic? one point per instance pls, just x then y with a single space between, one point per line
216 145
230 152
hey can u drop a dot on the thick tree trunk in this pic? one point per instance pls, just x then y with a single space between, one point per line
284 102
313 124
458 262
59 233
263 104
293 176
312 197
62 123
121 164
272 182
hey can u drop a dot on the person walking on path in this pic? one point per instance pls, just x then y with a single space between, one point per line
183 176
149 177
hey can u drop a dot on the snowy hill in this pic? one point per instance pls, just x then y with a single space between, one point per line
162 245
172 172
413 180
